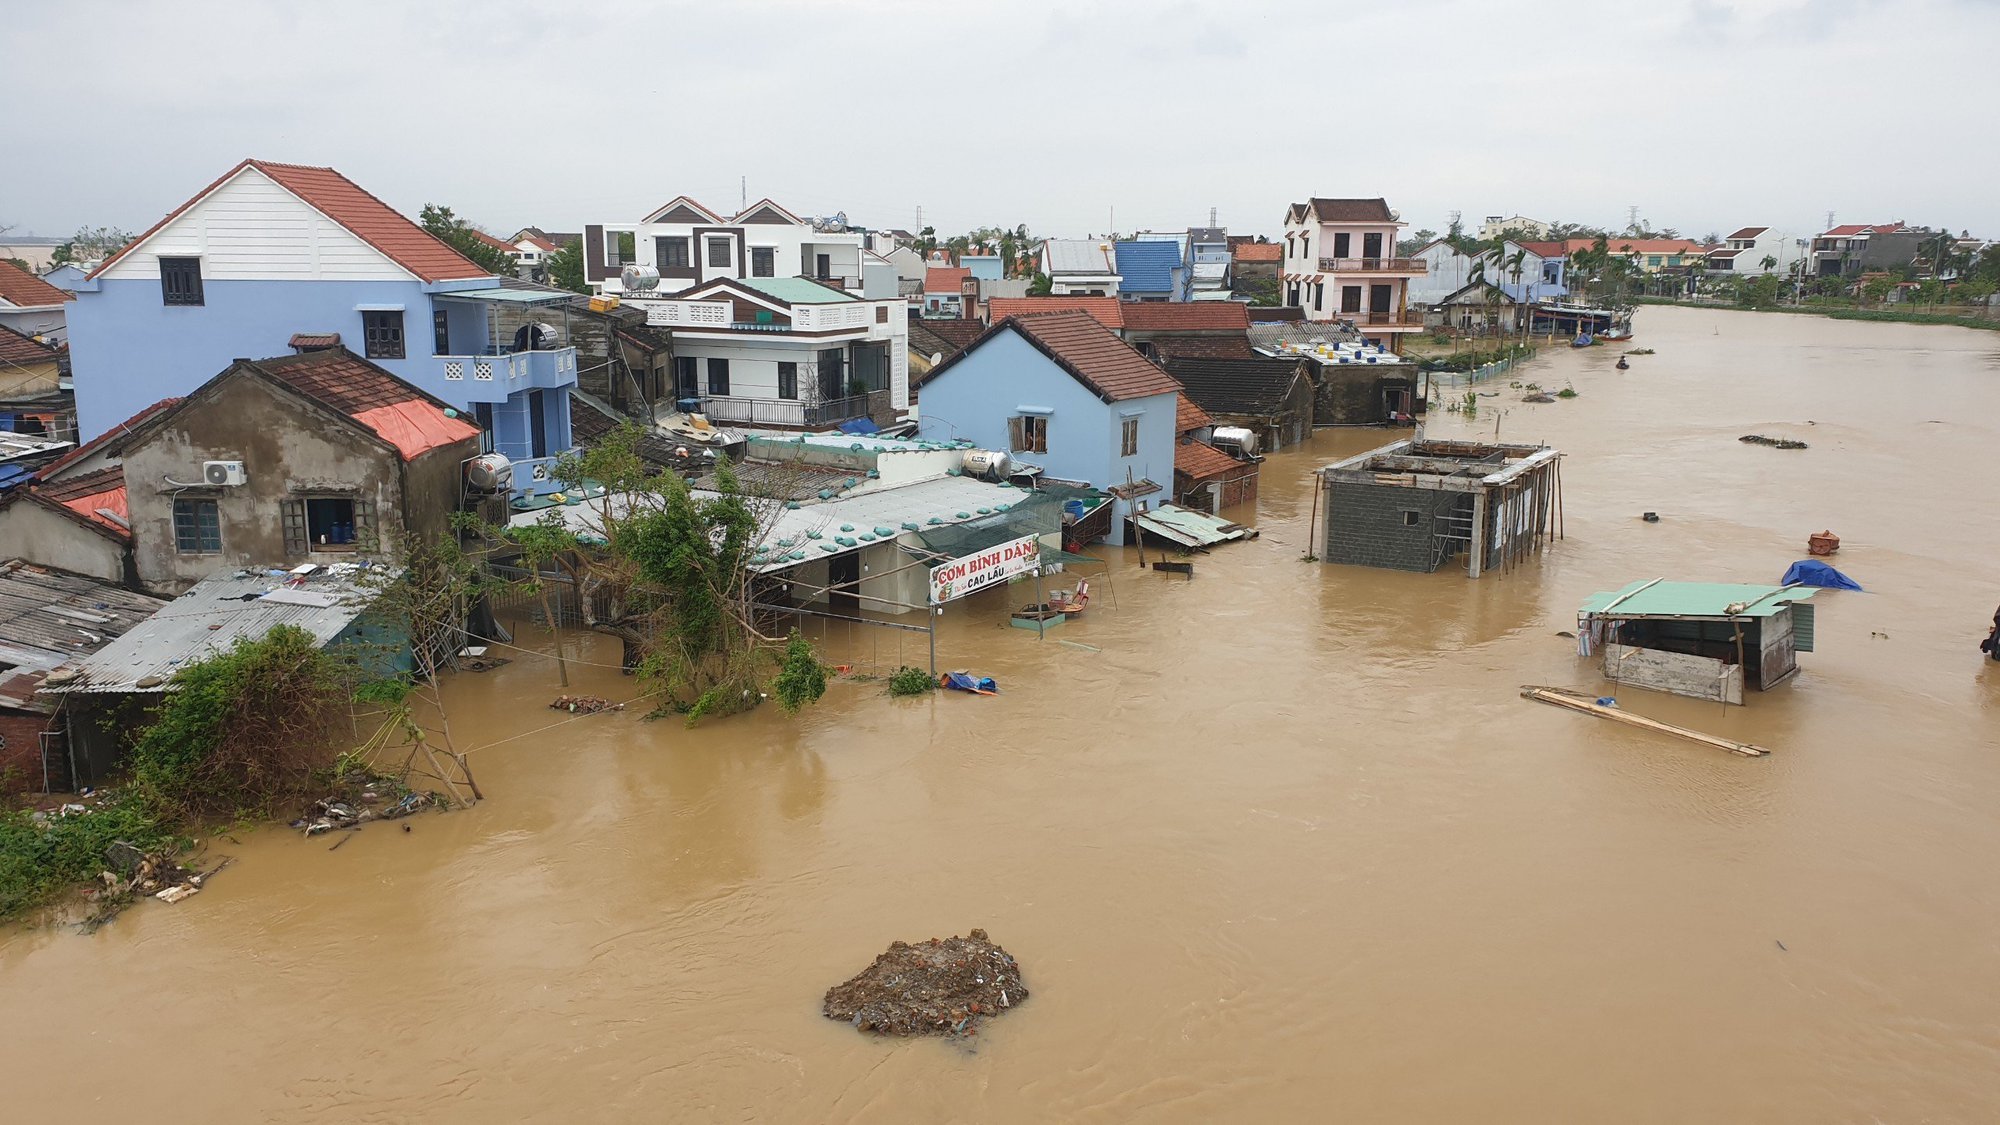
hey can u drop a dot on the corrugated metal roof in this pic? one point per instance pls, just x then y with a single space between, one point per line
48 618
947 500
1187 527
1091 256
1657 598
1147 266
213 615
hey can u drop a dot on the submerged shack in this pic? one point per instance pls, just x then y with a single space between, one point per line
1700 639
1417 505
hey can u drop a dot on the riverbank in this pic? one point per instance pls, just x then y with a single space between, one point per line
1838 312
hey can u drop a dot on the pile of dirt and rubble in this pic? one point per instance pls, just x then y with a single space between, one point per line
357 794
584 704
937 987
1774 443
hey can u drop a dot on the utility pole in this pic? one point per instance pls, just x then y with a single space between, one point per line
743 192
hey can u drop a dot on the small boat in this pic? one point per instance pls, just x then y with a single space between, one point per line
1583 340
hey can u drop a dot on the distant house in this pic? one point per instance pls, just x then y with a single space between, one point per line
1744 253
31 306
1255 261
948 290
785 351
1208 263
74 517
1340 264
1543 272
324 457
1150 271
1271 397
983 267
1647 255
1843 251
1062 394
269 252
1512 226
933 341
1081 267
689 244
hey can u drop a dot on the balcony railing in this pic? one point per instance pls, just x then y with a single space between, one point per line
783 412
491 378
1373 265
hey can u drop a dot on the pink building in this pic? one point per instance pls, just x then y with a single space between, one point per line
1340 264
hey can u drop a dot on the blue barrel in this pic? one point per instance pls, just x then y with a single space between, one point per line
1074 508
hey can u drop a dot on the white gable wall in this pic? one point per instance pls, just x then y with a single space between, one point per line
251 229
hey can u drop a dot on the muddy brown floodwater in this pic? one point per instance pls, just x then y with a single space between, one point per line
1288 847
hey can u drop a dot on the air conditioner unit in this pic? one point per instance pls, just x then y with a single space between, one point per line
227 473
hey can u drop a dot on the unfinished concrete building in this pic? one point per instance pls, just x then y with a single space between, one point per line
1418 505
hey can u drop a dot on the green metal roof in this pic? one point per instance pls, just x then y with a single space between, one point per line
797 290
1656 598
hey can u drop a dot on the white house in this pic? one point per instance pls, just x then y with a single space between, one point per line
1744 252
785 351
1081 267
690 245
1515 226
1340 264
1544 272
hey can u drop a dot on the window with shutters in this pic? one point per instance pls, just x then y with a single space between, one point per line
718 251
197 527
440 333
670 253
1030 433
326 523
1128 440
718 376
788 380
180 281
763 261
382 334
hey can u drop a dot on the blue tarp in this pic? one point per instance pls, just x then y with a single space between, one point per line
11 475
859 426
1812 572
960 681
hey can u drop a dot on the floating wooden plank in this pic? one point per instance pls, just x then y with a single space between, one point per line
1176 568
1577 701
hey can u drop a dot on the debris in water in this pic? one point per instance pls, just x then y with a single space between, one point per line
584 704
1773 442
937 987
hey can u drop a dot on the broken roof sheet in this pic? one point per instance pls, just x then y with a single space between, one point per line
1187 527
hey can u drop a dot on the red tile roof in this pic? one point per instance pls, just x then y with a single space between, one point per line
17 349
315 340
1187 316
1108 311
110 439
503 247
1545 249
1201 460
1749 232
84 496
405 417
1258 252
20 288
1188 415
343 201
540 243
1848 230
1088 351
945 279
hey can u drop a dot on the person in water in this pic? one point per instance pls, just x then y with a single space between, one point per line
1991 645
1622 365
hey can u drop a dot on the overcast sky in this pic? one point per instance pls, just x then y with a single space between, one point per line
1705 114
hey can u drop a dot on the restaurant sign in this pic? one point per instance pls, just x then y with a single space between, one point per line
959 577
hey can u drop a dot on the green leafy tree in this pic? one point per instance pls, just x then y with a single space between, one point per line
1409 246
91 244
1041 286
565 266
462 237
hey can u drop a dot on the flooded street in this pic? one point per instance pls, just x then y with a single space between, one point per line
1288 846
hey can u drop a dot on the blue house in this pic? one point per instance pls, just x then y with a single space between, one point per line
1063 394
277 258
1151 270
